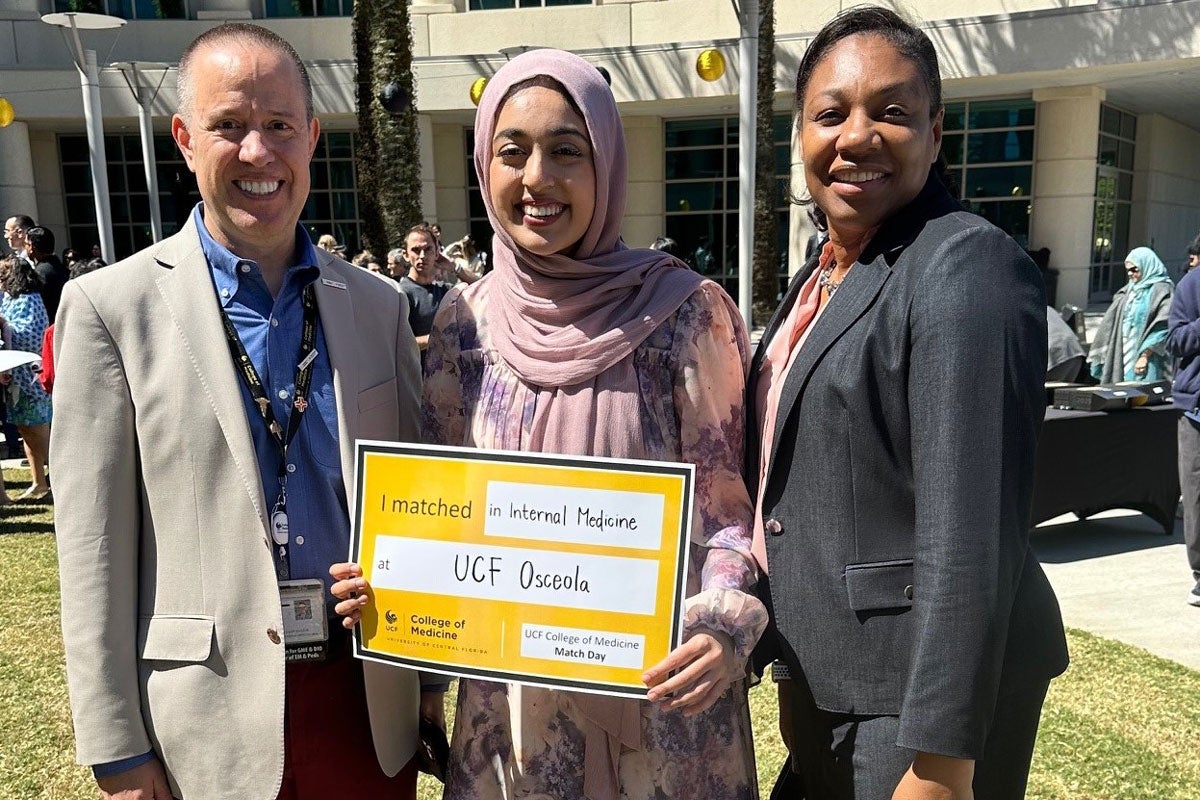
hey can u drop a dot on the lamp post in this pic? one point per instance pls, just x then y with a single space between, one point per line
89 78
747 12
144 96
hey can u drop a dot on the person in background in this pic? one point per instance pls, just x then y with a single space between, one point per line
577 344
15 228
420 284
52 273
1183 344
462 262
45 375
1130 344
327 243
1065 355
69 257
918 631
396 265
23 316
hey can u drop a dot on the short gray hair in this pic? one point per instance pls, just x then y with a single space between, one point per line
395 255
236 32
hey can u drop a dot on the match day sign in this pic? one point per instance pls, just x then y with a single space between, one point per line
547 570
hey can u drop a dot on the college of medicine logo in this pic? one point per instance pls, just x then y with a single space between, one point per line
390 616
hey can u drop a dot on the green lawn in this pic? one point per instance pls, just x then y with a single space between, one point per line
1120 725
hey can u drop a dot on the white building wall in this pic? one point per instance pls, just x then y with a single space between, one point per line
645 219
1166 197
450 165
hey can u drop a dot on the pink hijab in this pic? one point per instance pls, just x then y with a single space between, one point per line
564 319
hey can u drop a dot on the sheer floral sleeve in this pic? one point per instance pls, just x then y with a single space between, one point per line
443 407
712 357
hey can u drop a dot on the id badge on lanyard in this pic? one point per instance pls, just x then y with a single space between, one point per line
305 625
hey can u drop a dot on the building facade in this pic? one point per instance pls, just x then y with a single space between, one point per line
1072 124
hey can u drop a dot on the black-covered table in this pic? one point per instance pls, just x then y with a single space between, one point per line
1089 462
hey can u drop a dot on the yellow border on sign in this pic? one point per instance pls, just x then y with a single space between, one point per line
573 576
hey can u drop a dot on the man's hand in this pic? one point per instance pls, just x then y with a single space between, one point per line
143 782
934 777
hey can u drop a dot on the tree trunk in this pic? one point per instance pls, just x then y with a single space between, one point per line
766 250
387 148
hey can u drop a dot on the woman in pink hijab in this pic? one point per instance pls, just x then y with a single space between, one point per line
576 344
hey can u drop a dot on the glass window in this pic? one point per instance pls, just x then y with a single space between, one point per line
998 182
489 5
999 113
128 9
999 147
988 147
956 114
702 192
477 221
326 211
695 133
1113 206
307 8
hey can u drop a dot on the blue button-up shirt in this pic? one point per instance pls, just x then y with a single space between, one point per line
270 327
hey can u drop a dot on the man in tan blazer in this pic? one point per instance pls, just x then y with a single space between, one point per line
199 662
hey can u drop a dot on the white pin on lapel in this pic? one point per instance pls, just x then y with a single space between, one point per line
333 283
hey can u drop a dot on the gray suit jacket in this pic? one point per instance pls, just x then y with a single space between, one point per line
170 610
898 490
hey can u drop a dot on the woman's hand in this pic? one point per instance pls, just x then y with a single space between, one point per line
706 666
352 590
934 777
1141 365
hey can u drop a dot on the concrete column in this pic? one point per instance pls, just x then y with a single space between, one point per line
225 9
17 193
428 171
436 6
1067 140
450 168
645 218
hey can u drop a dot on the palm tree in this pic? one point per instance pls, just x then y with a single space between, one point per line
387 150
766 250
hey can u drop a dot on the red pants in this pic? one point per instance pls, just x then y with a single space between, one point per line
328 752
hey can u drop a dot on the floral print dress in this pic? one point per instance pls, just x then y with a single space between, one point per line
513 741
25 315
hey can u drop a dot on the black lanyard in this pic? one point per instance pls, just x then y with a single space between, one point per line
283 437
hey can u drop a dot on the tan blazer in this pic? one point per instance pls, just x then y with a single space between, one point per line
171 617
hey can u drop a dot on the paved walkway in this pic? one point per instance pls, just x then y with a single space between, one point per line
1118 576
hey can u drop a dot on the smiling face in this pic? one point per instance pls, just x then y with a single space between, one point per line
249 140
542 181
867 137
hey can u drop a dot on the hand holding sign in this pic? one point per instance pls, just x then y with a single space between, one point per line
706 666
351 589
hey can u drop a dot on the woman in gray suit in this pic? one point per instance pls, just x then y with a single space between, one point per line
897 398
